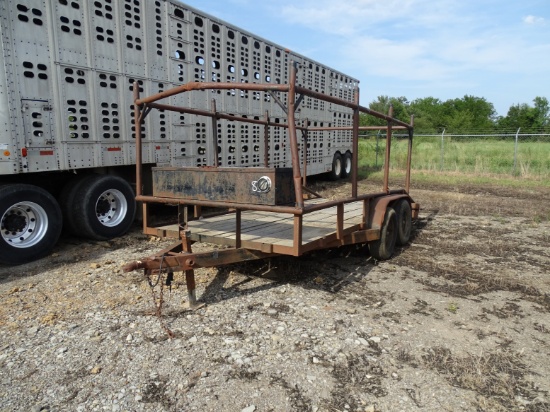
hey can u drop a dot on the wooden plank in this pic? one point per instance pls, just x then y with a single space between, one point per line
169 231
227 226
324 218
316 225
248 225
270 231
250 218
217 240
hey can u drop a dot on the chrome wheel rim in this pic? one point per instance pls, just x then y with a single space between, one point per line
24 224
338 167
347 166
111 208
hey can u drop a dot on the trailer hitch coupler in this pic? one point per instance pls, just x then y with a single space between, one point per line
138 264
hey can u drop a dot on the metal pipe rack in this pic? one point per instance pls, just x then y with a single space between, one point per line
295 229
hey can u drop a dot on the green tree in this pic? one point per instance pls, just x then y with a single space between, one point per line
382 105
528 118
428 114
431 115
469 114
542 109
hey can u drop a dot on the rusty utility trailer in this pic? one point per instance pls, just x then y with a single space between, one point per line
265 211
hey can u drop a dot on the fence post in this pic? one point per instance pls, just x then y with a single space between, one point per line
516 152
442 149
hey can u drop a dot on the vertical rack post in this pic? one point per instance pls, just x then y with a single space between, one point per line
388 150
214 133
297 235
293 139
238 223
340 222
266 140
137 124
304 151
138 117
355 145
409 157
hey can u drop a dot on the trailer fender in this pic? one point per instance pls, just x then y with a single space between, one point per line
379 206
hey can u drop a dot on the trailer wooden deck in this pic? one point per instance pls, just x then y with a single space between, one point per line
274 232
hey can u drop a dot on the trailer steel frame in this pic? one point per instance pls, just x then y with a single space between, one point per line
307 223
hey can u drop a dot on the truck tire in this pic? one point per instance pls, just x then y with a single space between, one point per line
66 200
336 171
404 221
103 207
346 165
30 221
382 249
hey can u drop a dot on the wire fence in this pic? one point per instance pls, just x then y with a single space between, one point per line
516 154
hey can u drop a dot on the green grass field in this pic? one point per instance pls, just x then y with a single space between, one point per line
478 158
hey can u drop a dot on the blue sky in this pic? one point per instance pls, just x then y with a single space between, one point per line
496 49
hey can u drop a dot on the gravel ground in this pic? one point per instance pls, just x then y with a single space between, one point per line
457 321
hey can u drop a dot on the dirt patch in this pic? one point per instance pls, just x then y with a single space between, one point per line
456 320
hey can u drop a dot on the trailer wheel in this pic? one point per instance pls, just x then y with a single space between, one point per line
66 201
336 172
30 222
404 224
346 166
103 207
382 249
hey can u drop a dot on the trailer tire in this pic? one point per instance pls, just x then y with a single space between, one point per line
30 221
382 249
404 221
346 165
66 201
103 207
336 171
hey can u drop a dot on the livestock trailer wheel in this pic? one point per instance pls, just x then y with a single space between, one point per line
103 207
67 199
404 221
382 249
347 162
30 222
336 172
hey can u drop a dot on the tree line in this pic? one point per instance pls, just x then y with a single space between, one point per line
469 114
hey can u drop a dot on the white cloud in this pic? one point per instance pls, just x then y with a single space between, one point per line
353 16
447 59
406 60
422 40
417 48
533 19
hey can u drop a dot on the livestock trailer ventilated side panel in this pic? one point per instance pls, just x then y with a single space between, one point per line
69 66
67 133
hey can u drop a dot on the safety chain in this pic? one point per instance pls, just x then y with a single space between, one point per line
153 285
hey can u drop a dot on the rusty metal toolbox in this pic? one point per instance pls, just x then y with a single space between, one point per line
254 185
